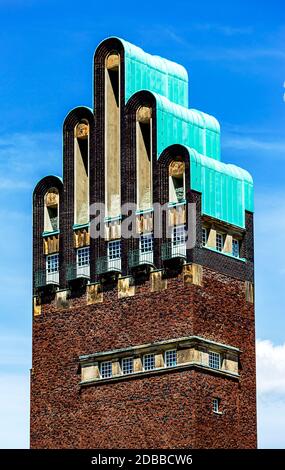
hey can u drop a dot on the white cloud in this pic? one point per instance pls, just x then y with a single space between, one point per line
270 368
271 394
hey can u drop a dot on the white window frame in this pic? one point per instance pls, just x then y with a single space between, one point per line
147 362
83 261
216 405
114 254
146 242
114 249
178 241
171 353
104 373
84 254
127 360
146 248
214 360
52 268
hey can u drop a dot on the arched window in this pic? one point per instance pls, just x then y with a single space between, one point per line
143 157
81 173
51 205
176 182
112 135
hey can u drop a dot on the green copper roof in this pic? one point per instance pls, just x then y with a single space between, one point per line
227 190
179 125
144 71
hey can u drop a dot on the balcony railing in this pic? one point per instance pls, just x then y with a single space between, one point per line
83 271
73 271
139 258
52 278
43 278
40 279
170 251
106 265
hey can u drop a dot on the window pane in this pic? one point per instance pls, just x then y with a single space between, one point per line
114 249
214 360
170 358
216 403
204 236
178 235
127 365
219 242
52 263
106 369
83 256
149 362
146 243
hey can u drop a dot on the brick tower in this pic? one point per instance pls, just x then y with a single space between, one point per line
144 341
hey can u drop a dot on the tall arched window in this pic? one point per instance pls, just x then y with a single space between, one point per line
143 157
51 205
81 173
112 135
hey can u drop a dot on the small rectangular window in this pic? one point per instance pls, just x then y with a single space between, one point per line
214 360
114 249
235 251
149 362
219 241
52 263
216 405
146 243
83 256
127 365
106 369
170 358
204 236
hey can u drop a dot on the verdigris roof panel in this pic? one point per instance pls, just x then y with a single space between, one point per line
227 190
190 127
144 71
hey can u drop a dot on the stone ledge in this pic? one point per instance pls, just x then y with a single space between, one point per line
191 351
157 344
162 370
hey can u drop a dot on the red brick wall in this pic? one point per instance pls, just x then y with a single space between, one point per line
167 410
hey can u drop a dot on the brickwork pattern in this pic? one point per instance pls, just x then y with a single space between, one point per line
167 410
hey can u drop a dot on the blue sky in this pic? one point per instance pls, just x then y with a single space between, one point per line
235 57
